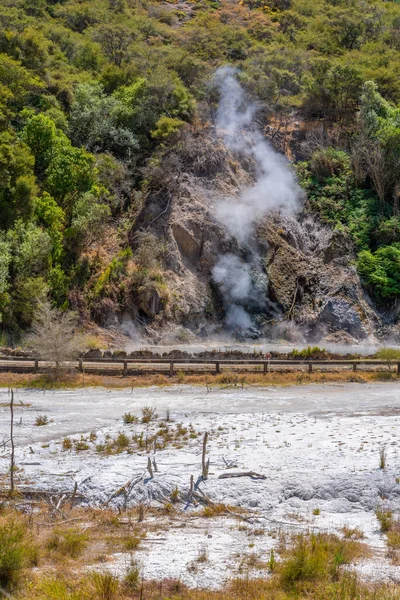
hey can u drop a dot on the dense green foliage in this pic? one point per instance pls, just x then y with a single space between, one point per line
91 89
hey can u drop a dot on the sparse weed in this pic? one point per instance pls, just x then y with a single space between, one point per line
214 510
41 420
148 414
128 418
352 533
67 443
70 542
385 518
105 585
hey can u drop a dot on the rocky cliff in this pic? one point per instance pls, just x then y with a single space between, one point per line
311 288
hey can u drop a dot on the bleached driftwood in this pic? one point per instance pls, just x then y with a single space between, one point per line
251 474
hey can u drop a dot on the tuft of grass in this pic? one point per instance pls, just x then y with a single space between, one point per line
316 558
131 542
121 441
105 585
214 510
128 418
385 518
352 533
132 577
70 542
81 445
67 443
174 497
41 420
56 589
316 511
148 414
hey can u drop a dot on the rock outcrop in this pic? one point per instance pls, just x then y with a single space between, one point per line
312 283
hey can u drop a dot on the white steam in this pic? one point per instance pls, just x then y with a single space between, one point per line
275 188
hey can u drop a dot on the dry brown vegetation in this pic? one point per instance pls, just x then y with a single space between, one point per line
45 556
279 378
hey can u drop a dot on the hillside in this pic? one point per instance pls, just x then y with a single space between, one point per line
143 181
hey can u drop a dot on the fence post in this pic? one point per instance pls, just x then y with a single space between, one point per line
36 366
125 368
265 367
216 368
80 366
398 369
310 367
171 369
354 367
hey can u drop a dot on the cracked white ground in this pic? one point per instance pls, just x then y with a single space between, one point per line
317 445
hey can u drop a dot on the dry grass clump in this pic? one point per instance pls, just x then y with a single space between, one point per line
352 533
70 542
214 510
385 518
391 527
41 420
148 414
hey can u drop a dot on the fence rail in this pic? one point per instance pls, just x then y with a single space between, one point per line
137 366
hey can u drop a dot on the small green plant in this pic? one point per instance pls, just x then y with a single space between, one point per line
41 420
67 443
132 577
272 561
121 442
352 533
105 585
174 497
385 518
148 414
132 542
81 445
316 511
128 418
13 553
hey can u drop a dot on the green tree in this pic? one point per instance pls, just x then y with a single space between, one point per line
64 169
381 271
17 181
94 123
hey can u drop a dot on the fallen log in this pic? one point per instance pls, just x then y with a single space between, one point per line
251 474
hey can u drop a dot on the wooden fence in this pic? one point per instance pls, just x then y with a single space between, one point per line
136 366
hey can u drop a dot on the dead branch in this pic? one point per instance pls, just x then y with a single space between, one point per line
205 465
251 474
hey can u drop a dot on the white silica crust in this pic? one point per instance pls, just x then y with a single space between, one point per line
317 446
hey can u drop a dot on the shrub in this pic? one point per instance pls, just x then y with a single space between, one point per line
13 553
148 414
41 420
314 558
121 441
105 585
385 518
128 418
132 577
67 443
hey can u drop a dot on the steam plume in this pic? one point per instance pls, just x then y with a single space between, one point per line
275 188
